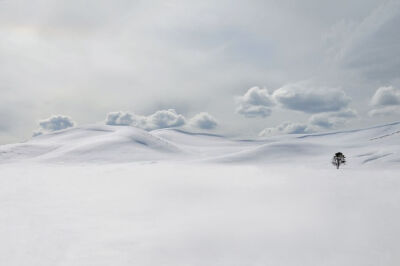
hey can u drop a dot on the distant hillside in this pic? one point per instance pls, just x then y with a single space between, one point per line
120 144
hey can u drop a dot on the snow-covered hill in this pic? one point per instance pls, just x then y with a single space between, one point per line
115 195
111 144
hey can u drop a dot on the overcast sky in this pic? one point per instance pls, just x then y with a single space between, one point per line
240 68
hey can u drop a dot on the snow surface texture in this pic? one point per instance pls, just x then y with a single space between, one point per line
118 195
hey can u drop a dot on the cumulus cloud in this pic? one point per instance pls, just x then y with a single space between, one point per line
256 102
203 120
54 123
160 119
332 119
302 97
166 118
386 101
385 96
329 107
119 118
287 128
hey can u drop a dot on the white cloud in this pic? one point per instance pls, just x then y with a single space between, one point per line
385 96
315 123
160 119
332 120
305 98
328 106
204 120
54 123
287 128
386 101
255 102
165 118
385 111
119 118
253 111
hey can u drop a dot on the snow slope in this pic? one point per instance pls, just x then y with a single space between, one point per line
92 144
114 195
111 144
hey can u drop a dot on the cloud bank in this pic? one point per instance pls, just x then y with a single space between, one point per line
328 106
300 96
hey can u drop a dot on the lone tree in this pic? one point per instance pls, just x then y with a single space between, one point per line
338 159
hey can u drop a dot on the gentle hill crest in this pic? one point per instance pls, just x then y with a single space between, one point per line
121 144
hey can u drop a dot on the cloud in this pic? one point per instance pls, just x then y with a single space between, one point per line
253 111
329 107
386 101
332 120
165 118
160 119
54 45
385 111
255 102
204 120
287 128
54 123
385 96
119 118
315 123
301 97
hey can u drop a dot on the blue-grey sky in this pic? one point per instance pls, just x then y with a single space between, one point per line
234 67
